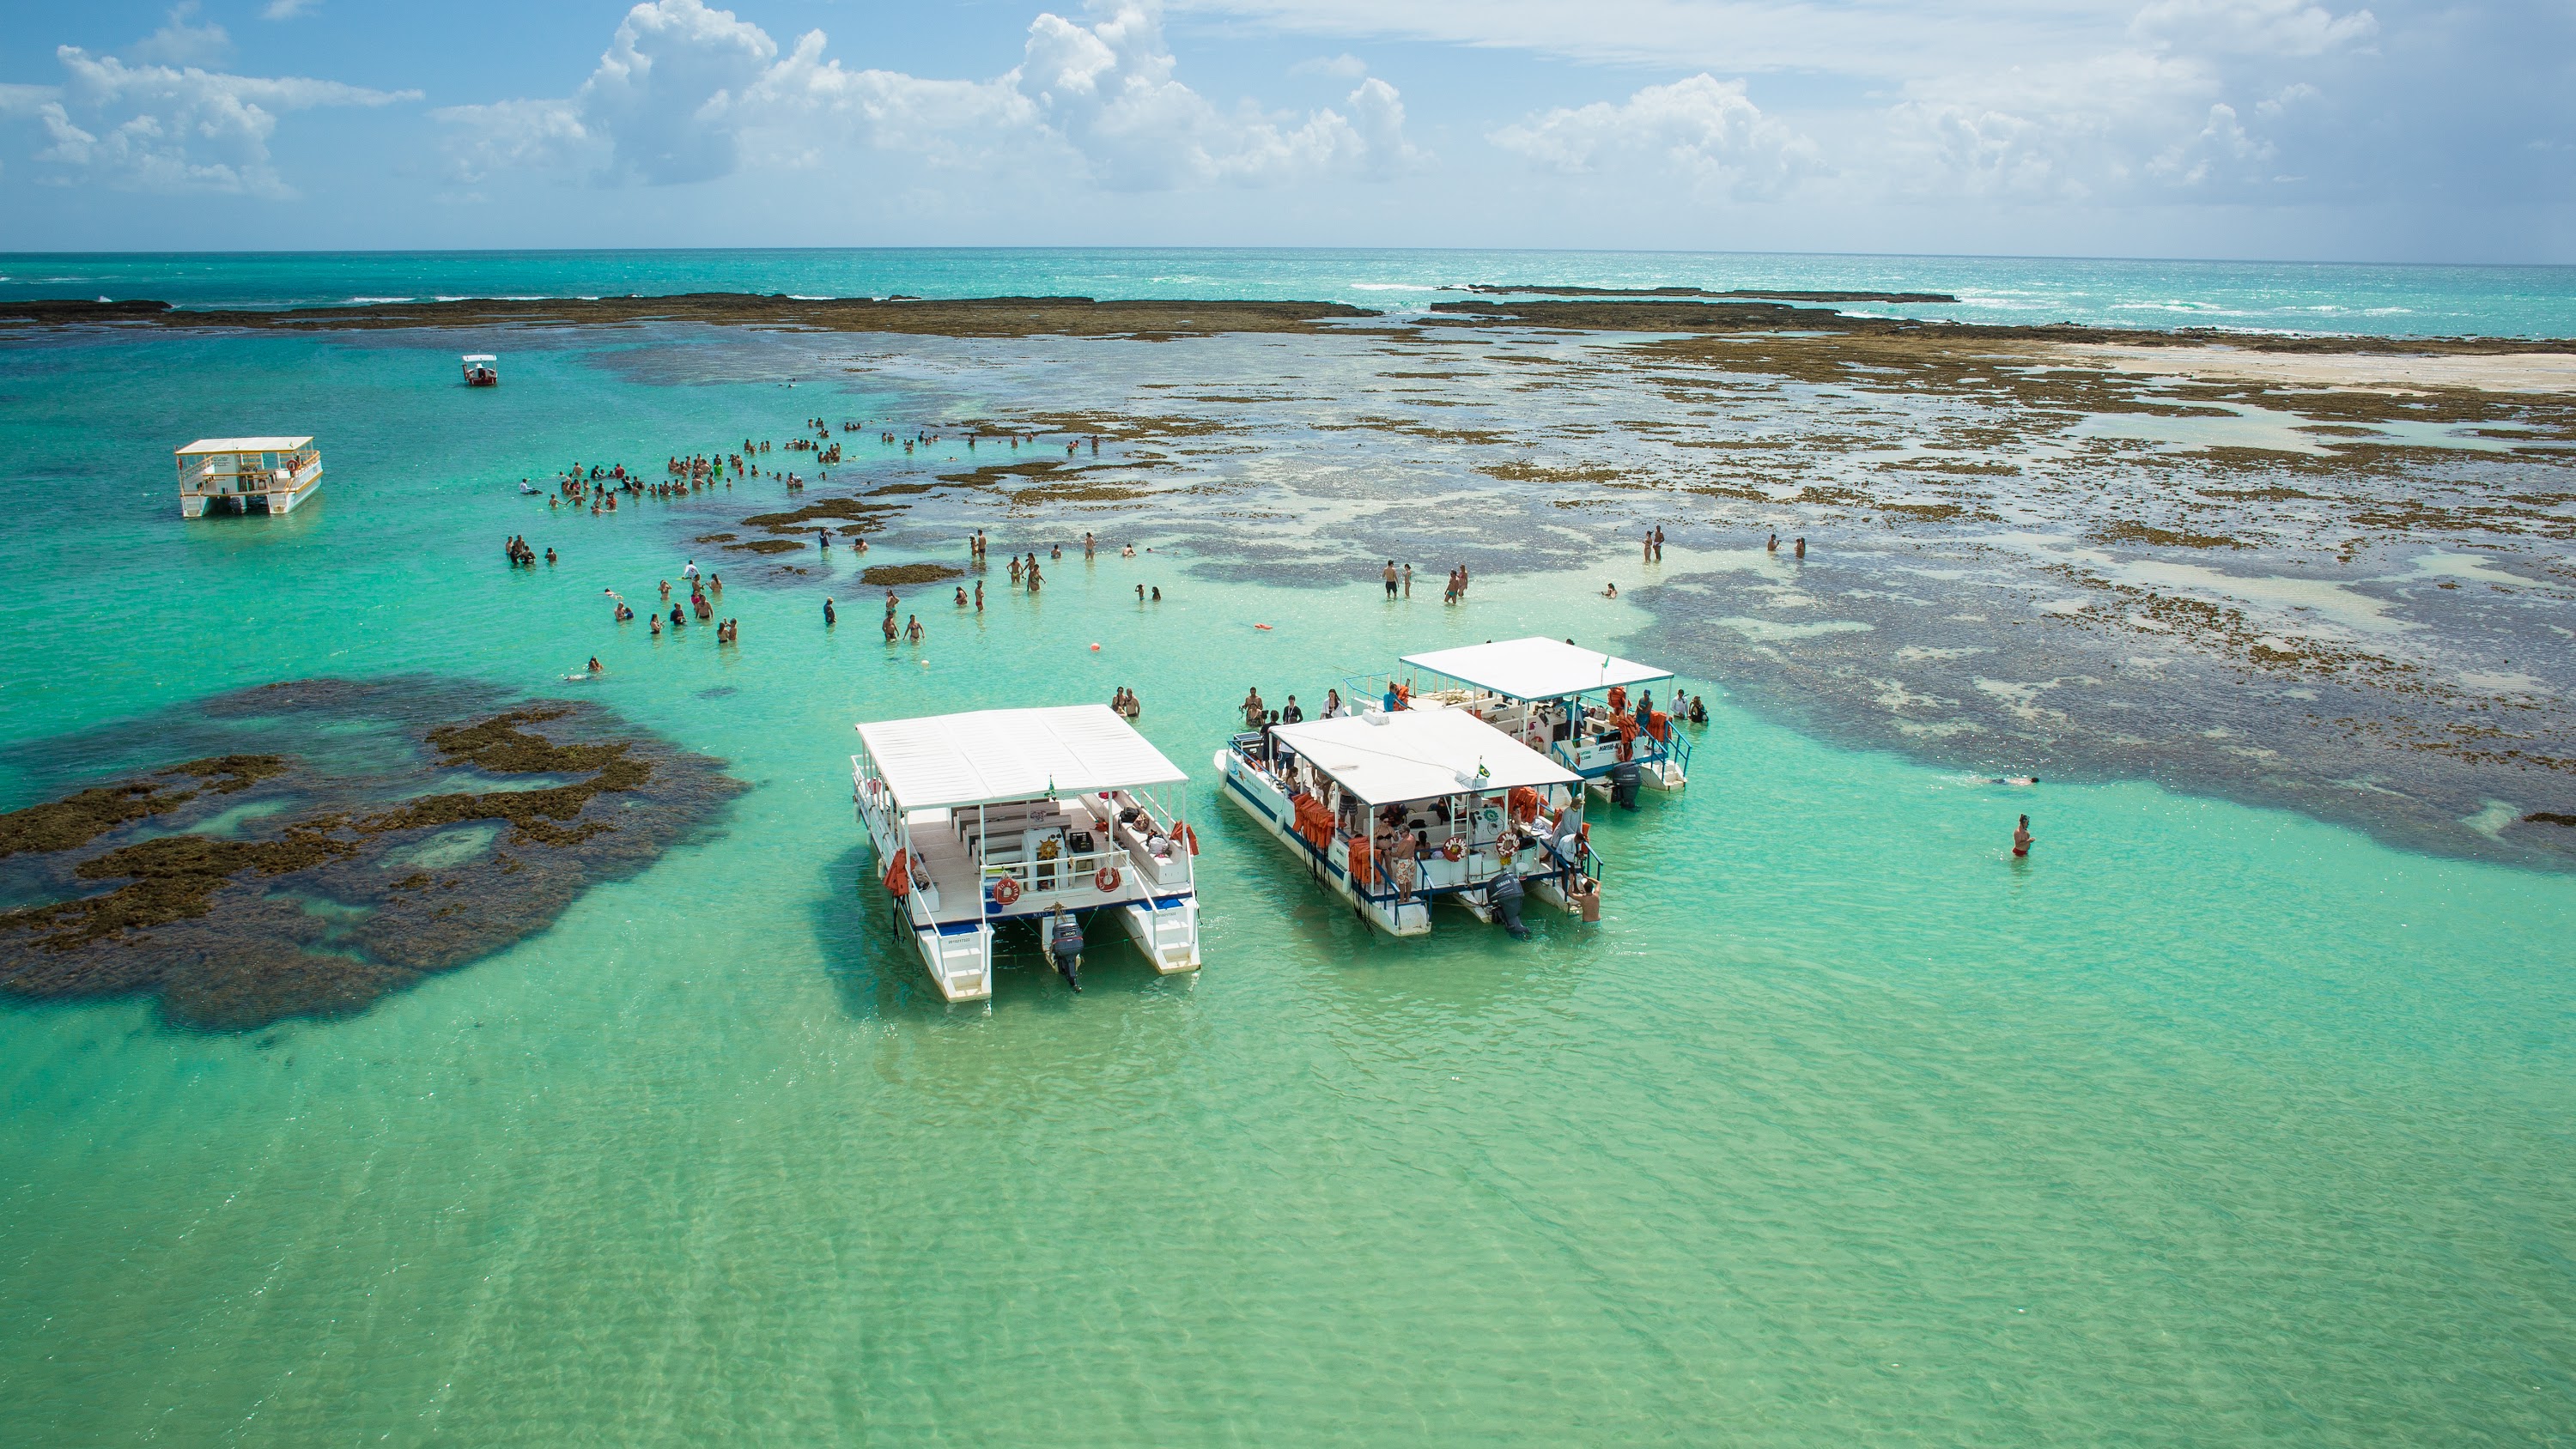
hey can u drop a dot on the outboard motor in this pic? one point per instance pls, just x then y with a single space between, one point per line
1064 943
1625 778
1504 895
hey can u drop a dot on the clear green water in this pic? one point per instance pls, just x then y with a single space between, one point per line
2204 1126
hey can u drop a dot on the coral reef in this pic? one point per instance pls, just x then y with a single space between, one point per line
370 868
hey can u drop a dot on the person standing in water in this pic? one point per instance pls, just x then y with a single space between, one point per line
1390 578
2022 838
829 618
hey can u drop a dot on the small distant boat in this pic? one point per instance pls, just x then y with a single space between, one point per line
247 475
479 370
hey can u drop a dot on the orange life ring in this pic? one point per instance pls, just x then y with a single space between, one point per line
1005 891
1453 849
1105 879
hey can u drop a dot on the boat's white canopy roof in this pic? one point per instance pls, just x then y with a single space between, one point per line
480 357
1536 668
1416 754
246 445
996 755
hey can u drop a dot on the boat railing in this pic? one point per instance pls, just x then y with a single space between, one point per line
1060 877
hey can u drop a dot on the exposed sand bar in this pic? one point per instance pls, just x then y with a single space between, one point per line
2526 372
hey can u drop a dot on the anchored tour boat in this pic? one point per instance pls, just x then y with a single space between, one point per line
1395 810
481 370
247 475
1584 709
1046 816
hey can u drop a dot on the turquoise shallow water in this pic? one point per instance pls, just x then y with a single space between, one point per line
2205 1125
2108 292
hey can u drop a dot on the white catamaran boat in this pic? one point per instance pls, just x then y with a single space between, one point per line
247 475
1038 815
1393 811
482 369
1574 704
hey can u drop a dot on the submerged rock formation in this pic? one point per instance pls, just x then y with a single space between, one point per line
240 889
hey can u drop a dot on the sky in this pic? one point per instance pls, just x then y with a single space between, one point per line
2400 131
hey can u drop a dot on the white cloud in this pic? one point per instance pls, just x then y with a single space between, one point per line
179 43
687 93
2221 142
1701 129
2122 127
1885 38
1345 65
664 94
2251 27
164 128
288 9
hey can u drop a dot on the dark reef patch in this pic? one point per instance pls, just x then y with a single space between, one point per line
71 823
1755 293
887 576
312 884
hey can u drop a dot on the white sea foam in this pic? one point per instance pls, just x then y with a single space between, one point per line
362 300
1393 287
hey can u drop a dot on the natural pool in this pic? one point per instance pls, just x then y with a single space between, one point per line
2207 1124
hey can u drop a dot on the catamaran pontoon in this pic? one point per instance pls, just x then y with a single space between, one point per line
1395 810
1038 815
247 475
1541 692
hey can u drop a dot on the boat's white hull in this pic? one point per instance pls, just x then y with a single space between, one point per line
273 502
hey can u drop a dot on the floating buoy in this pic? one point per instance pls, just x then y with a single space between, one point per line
1095 648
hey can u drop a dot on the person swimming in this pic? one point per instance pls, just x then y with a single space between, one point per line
2012 779
595 666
